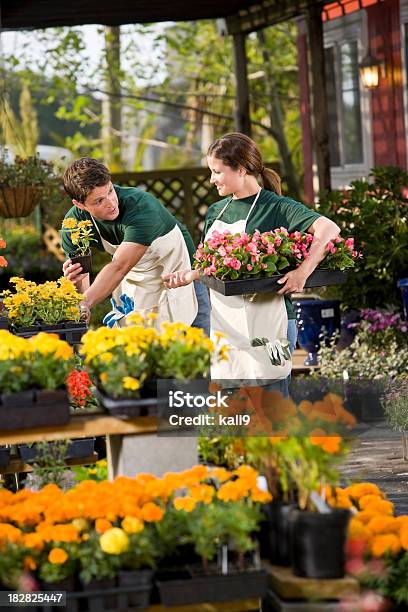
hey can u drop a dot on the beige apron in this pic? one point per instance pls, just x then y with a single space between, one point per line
245 317
144 283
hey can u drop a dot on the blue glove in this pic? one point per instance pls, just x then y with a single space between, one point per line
119 311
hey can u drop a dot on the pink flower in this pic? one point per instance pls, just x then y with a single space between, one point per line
249 267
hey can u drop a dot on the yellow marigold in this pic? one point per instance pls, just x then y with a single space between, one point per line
69 223
381 506
220 473
184 503
152 512
363 488
365 500
57 556
80 523
131 383
102 525
382 544
114 541
131 524
383 524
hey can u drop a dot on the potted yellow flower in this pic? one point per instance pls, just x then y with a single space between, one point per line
51 307
32 380
125 363
81 234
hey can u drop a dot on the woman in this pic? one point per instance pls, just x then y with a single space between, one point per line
251 199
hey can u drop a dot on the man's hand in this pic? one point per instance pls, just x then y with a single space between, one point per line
73 272
180 278
293 281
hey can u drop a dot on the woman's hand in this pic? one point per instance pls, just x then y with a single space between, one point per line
293 281
73 272
180 278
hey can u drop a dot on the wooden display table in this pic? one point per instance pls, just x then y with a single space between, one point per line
132 444
288 592
243 605
17 466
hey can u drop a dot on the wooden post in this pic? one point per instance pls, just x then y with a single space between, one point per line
320 114
242 118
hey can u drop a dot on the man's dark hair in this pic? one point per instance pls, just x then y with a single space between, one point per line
82 176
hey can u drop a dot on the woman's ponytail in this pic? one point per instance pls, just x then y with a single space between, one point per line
271 180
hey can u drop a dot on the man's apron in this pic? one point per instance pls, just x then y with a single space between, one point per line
144 282
245 317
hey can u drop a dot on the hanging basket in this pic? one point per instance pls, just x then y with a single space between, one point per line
18 201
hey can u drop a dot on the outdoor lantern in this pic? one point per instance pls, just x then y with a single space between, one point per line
370 69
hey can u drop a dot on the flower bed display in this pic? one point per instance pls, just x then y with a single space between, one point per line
50 307
235 264
125 363
32 380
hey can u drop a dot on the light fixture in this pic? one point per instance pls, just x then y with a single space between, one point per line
370 70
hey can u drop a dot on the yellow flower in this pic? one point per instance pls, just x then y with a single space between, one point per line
103 377
57 556
69 223
184 503
80 523
114 541
131 524
106 357
131 383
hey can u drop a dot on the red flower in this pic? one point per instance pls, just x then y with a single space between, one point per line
79 387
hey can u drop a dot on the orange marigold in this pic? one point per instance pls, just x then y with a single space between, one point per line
383 524
358 531
184 503
363 488
102 525
330 444
29 564
220 474
151 512
202 493
382 544
381 506
57 556
365 500
404 537
260 496
9 533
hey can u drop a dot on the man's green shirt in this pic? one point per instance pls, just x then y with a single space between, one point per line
142 219
271 211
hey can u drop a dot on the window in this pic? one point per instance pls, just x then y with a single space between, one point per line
348 104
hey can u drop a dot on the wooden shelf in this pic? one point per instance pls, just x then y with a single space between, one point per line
288 586
81 426
243 605
16 465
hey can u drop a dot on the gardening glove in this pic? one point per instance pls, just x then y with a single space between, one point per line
119 311
278 350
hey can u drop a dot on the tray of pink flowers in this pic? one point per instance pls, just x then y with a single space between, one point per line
238 264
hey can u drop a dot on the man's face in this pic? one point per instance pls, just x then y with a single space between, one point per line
102 203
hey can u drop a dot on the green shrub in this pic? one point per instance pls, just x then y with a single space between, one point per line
375 213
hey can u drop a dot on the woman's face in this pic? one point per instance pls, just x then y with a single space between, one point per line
225 179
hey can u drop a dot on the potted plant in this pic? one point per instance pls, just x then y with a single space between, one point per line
51 306
32 380
125 363
396 409
22 184
81 234
235 264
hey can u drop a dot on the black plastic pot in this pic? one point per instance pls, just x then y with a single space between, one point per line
98 600
187 590
364 399
76 449
84 260
70 331
317 543
278 533
33 408
4 456
127 407
68 585
141 582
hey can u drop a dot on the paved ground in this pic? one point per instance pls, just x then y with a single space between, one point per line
376 457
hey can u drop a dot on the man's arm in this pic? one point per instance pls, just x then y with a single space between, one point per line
323 230
111 275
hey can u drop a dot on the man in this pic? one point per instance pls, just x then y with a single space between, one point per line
145 242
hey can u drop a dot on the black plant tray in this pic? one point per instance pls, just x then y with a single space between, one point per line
211 588
70 331
76 449
33 408
127 407
318 278
4 456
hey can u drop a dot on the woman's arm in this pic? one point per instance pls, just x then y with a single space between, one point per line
324 230
180 278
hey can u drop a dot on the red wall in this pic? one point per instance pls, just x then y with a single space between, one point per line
387 104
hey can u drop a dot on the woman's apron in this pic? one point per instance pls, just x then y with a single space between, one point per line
144 283
242 318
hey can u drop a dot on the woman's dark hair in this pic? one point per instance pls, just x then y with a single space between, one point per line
236 150
82 176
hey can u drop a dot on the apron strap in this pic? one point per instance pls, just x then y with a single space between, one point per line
250 210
